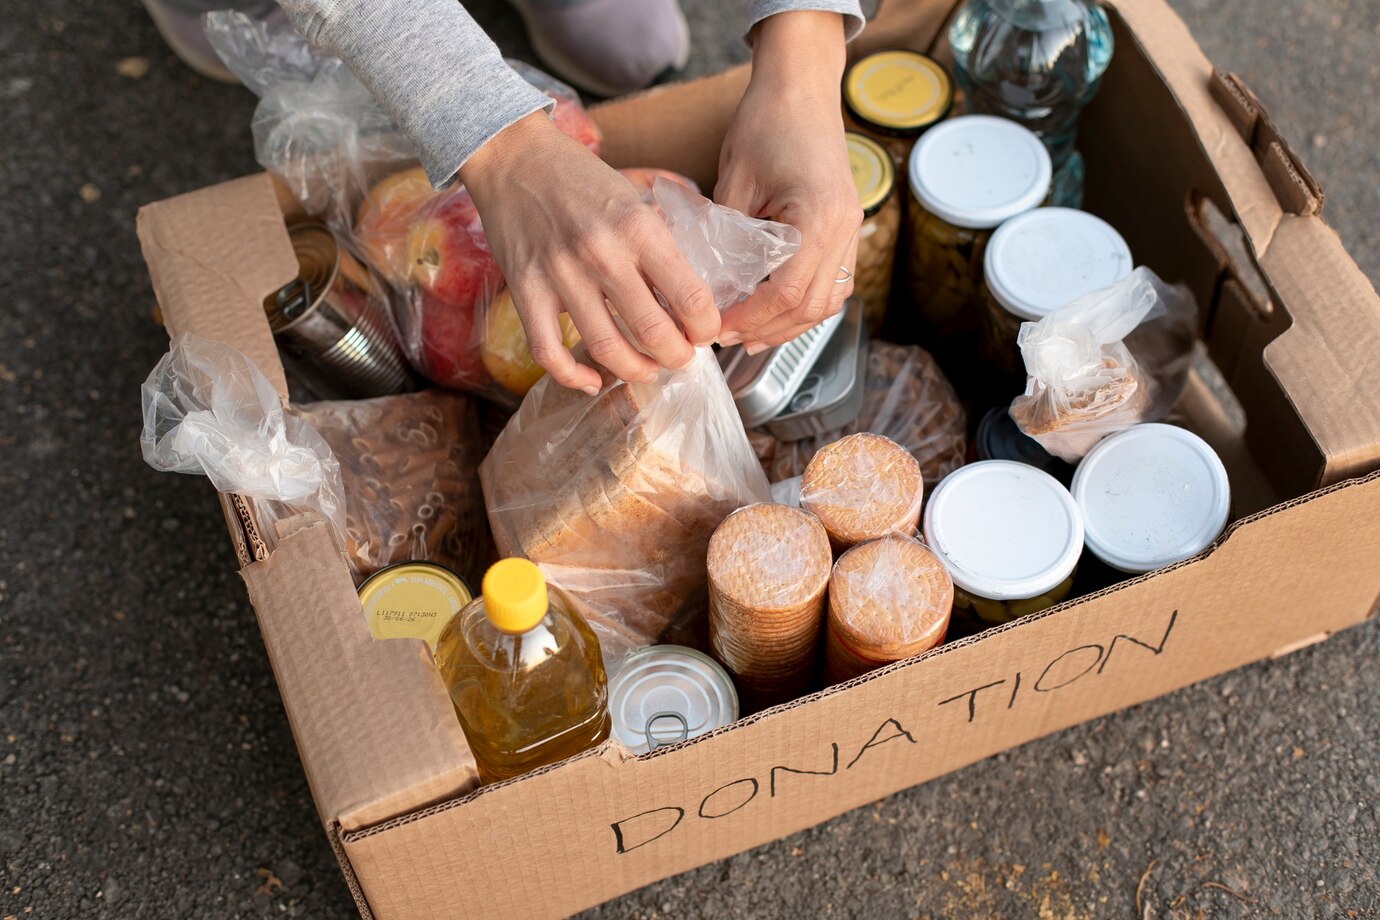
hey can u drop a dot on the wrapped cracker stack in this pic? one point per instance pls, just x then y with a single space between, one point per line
889 599
768 570
863 487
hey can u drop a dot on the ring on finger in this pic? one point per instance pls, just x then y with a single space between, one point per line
845 275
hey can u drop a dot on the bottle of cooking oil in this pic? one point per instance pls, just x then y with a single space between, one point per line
525 674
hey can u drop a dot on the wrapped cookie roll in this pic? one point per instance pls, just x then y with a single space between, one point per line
889 599
768 570
863 487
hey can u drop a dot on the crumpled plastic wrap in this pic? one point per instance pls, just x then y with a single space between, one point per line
209 411
889 599
862 487
616 495
1111 359
908 399
410 470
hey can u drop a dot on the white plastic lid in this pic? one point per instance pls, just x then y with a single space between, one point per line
1004 530
665 694
976 171
1040 260
1151 496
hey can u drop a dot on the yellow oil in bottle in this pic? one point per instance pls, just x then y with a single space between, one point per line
525 674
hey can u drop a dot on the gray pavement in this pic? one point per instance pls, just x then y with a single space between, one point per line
147 770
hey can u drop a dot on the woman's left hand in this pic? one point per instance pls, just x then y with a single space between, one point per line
785 158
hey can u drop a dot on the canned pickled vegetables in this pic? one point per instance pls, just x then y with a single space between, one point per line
1040 261
875 177
967 176
894 96
1010 536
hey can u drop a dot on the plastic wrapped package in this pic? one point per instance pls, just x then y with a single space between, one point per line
768 570
410 470
1111 359
208 410
889 599
862 487
908 399
616 495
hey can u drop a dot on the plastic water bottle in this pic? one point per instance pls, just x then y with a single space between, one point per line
1037 62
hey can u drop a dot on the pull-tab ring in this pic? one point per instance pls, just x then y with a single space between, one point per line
652 743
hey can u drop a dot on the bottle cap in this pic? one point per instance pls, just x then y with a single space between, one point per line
976 171
1151 496
1005 530
1040 260
873 173
412 600
514 595
897 92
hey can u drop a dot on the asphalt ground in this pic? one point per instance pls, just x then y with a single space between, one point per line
147 769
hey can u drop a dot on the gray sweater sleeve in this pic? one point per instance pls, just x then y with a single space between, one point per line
440 78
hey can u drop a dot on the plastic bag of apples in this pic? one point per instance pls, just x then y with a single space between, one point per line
320 131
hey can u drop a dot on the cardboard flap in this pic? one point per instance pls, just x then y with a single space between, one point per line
214 255
376 730
1318 373
1298 192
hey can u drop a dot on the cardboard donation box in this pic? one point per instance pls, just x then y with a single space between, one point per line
1183 160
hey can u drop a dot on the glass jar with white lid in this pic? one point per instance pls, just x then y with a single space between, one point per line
1151 496
1009 534
967 176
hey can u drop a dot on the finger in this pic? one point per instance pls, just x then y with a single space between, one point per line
734 190
828 291
540 314
688 296
655 332
599 334
780 295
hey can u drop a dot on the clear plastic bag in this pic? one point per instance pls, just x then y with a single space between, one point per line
616 495
410 470
320 131
907 399
1111 359
208 410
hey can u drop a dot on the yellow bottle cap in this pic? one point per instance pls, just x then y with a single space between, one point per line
514 595
898 92
873 173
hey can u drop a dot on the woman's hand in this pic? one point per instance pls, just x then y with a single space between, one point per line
785 158
570 233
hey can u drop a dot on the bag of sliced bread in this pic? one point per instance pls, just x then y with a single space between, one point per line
615 496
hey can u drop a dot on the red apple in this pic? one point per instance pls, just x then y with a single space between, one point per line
448 254
450 353
384 218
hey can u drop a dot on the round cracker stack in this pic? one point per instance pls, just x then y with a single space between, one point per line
768 571
889 599
863 487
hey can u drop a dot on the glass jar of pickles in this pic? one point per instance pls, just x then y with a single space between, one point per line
1040 261
894 96
967 176
875 177
1010 536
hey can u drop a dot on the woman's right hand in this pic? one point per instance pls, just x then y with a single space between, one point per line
572 235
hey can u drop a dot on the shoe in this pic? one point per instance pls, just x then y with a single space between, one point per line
180 25
608 47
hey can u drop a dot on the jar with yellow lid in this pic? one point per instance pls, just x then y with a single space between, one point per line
525 674
894 96
967 176
875 178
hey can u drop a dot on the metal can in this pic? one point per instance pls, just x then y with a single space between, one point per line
665 694
832 394
763 384
333 316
